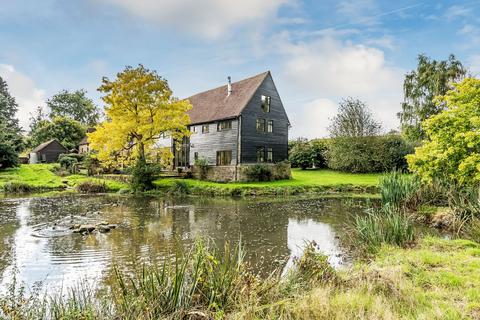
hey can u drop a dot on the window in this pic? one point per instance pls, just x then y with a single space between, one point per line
260 125
224 158
224 125
269 155
205 128
270 126
164 135
260 154
266 103
193 129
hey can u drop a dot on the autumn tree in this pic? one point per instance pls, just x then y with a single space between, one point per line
451 151
140 106
431 78
75 105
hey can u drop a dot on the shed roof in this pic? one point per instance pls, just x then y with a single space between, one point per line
42 146
215 104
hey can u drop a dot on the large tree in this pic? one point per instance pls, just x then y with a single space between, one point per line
452 149
67 131
353 120
431 78
75 105
11 141
140 106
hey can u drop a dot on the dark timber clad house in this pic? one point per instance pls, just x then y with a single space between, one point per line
236 124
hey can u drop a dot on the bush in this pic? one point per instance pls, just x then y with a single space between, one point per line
143 175
92 164
8 156
202 165
259 172
17 187
307 154
179 188
367 154
91 186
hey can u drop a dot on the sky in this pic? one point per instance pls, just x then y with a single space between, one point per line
318 51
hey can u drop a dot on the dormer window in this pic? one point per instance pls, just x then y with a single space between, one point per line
266 103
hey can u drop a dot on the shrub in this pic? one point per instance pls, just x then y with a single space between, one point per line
259 172
92 164
307 154
91 186
179 188
202 165
143 175
8 155
17 187
367 154
67 162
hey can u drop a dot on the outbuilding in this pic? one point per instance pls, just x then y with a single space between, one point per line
47 152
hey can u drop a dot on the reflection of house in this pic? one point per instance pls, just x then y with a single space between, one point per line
47 152
239 123
84 145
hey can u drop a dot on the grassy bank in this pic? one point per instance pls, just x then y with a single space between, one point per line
303 181
436 279
42 177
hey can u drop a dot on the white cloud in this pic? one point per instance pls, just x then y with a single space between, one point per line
208 18
23 88
474 64
313 118
327 69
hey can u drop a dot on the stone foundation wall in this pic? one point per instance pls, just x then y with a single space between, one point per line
239 173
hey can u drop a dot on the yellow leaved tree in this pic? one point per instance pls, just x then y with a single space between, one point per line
140 107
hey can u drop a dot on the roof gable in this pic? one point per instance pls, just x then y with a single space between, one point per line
215 104
42 146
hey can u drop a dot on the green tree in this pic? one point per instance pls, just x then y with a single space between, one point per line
353 119
431 78
451 151
11 131
8 154
140 106
75 105
68 131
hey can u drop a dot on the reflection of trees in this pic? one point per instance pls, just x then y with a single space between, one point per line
9 224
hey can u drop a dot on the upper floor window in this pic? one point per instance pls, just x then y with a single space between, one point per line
193 129
260 154
224 125
205 128
260 125
164 135
270 126
266 103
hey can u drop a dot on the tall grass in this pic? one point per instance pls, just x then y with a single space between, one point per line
383 226
399 190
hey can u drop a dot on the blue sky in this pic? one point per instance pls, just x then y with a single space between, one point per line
318 51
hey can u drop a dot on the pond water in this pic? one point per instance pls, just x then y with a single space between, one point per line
37 245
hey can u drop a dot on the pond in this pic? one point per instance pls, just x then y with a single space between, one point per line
37 245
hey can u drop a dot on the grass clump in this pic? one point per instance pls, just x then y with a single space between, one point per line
17 187
91 186
398 190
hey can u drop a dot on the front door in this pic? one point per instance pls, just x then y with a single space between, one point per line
182 153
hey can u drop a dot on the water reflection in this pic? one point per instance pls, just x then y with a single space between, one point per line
35 238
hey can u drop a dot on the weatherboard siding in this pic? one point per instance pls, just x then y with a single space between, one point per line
251 139
207 144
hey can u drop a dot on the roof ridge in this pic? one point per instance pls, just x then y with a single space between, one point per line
242 80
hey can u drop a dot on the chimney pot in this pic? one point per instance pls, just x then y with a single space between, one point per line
229 86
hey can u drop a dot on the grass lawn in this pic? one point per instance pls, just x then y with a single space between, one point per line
300 178
35 175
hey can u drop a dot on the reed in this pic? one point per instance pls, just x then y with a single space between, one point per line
399 190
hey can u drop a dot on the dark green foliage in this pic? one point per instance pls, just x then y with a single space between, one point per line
259 172
431 78
68 163
307 154
91 186
74 105
179 188
11 141
92 164
67 131
143 175
367 154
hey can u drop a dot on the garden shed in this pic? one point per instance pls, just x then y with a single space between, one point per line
47 152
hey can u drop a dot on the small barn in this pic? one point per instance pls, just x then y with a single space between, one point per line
47 152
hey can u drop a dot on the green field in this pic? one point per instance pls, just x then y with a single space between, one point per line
300 178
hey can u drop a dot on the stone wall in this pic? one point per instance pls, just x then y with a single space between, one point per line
238 173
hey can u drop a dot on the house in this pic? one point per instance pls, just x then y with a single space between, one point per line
84 145
233 126
47 152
